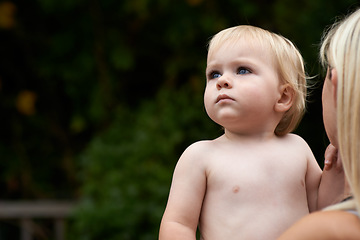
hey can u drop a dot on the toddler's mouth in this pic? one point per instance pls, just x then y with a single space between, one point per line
223 97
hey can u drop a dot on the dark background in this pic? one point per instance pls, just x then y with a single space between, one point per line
99 98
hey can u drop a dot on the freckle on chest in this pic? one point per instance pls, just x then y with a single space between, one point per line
236 189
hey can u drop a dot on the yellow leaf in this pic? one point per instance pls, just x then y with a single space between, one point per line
7 15
25 102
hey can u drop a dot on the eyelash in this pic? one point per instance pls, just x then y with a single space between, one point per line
243 69
212 74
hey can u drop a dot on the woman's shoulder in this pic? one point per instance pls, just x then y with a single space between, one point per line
337 224
339 220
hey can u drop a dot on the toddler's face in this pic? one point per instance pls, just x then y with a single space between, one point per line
242 85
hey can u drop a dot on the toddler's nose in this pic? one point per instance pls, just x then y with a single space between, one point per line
223 82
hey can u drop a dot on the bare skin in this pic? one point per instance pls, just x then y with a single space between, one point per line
327 225
333 224
241 188
249 183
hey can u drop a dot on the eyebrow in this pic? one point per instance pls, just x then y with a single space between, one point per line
240 60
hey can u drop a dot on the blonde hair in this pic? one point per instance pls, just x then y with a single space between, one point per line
289 63
340 49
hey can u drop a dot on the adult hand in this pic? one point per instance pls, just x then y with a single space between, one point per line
332 159
333 186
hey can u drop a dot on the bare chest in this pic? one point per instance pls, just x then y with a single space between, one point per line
250 174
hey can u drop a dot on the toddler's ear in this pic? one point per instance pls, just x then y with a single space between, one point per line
285 101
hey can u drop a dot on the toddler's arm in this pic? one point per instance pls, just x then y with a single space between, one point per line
181 216
312 180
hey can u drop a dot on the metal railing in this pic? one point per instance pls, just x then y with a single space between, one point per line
26 211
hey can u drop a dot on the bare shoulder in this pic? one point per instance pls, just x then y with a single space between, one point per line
297 142
325 225
291 137
199 147
196 152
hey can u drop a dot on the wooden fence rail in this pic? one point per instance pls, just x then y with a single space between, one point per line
26 211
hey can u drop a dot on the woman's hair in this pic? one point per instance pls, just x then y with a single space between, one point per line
340 49
287 59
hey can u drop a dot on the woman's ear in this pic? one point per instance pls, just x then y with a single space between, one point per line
286 99
334 82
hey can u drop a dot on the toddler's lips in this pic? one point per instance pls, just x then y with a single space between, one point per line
222 97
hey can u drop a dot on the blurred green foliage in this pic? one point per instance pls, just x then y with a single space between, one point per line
127 169
100 98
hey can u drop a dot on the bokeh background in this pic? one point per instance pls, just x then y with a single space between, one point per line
99 98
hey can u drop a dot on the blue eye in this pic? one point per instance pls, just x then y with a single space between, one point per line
213 75
242 70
